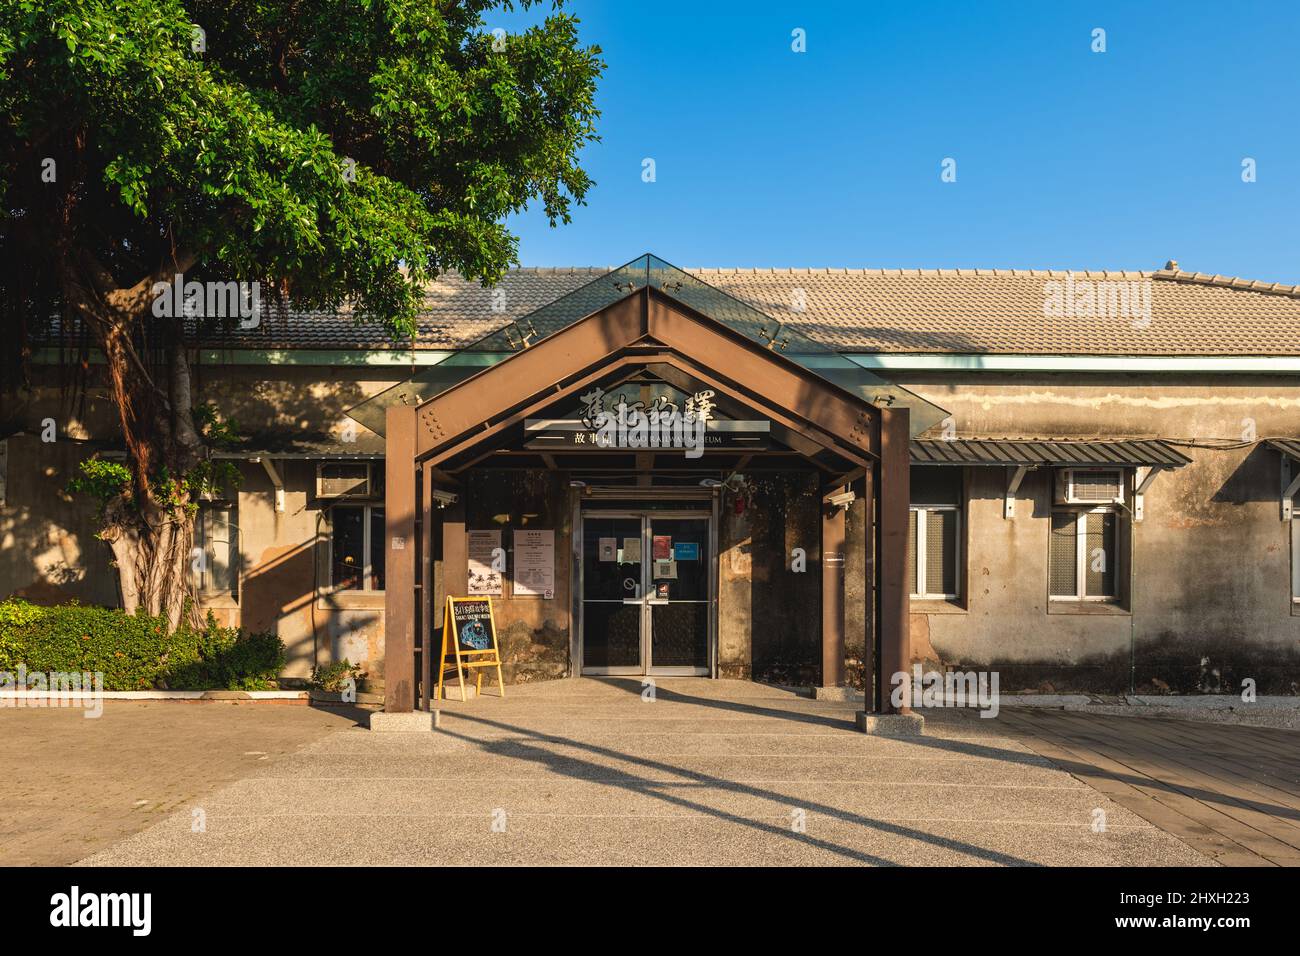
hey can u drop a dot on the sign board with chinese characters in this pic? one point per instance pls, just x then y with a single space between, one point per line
534 564
648 415
469 641
543 434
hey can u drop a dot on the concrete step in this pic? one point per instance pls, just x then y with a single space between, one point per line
709 839
542 763
525 799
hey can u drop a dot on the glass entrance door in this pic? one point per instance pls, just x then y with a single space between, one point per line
613 589
647 593
677 597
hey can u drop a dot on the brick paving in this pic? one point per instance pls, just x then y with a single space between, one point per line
1232 792
73 786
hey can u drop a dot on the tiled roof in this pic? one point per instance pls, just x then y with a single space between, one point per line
922 311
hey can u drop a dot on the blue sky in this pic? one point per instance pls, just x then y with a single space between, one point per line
1065 158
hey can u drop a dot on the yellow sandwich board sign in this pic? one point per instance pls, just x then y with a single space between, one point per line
469 640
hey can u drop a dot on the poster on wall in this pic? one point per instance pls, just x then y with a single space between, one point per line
483 578
535 564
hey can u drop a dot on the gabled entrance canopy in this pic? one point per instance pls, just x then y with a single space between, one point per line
647 329
647 319
777 335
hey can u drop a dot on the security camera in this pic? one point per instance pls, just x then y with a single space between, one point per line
843 499
443 498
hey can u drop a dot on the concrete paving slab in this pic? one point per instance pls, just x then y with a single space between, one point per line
710 773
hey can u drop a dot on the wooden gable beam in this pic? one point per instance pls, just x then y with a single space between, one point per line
472 405
755 370
648 328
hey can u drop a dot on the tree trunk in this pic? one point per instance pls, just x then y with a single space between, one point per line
150 527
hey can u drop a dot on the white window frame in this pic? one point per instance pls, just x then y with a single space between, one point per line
1081 555
203 585
1295 560
366 546
919 581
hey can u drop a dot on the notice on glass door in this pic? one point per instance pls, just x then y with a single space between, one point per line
663 547
487 562
630 552
535 564
666 568
608 549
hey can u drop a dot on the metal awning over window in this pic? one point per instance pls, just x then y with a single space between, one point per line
1019 453
1287 446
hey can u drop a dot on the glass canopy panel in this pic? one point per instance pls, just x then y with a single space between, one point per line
543 322
500 344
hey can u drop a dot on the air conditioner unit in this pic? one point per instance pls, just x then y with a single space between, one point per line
343 479
1089 486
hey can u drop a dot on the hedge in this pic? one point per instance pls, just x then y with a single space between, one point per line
135 651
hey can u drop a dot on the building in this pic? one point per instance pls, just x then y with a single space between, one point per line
1100 497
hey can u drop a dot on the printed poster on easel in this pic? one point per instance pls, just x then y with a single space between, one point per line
469 642
534 564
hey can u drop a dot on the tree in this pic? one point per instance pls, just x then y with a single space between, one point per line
333 151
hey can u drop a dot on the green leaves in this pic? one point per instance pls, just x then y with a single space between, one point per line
101 480
235 152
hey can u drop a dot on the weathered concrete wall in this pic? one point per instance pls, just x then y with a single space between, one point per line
48 550
307 402
533 632
284 585
769 616
1211 600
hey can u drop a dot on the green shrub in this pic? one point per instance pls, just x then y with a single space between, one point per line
229 658
14 613
135 652
334 677
132 651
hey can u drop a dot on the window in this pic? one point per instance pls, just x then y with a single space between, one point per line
216 549
344 479
932 568
934 534
1295 560
357 547
1083 556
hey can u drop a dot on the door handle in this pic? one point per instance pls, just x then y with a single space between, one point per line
656 600
635 600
